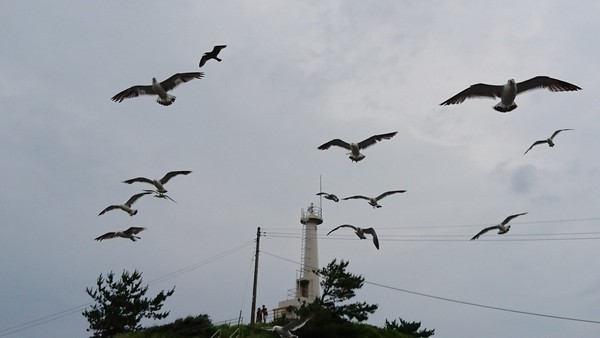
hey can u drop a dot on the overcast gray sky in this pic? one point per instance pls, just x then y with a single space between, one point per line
295 75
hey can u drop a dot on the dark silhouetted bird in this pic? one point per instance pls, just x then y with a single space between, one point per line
211 55
330 197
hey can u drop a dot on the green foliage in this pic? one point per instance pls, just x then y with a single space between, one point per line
198 326
121 305
345 329
194 327
337 287
409 328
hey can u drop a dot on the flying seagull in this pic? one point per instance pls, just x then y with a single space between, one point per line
159 184
550 141
355 148
286 330
330 197
211 55
373 200
360 232
509 91
157 88
129 233
160 195
502 227
127 206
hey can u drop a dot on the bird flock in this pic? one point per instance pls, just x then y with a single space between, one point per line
159 89
507 94
159 192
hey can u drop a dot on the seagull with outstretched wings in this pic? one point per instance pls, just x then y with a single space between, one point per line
127 205
502 227
509 91
129 233
159 184
373 200
355 148
360 232
158 88
286 330
550 140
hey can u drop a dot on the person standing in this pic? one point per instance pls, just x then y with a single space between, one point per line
265 313
259 316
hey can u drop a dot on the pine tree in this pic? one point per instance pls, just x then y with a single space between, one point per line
120 304
409 328
339 286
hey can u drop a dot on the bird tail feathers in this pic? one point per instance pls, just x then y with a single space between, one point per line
170 99
504 109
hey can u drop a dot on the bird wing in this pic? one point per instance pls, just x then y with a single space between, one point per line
334 142
505 222
171 174
204 58
139 179
356 197
135 197
217 49
107 235
134 230
109 208
389 193
180 78
484 231
374 139
476 90
558 131
535 144
295 325
342 226
374 234
553 85
134 91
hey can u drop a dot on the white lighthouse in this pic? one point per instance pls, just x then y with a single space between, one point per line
307 281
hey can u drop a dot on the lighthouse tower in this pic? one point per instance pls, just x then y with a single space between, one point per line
307 281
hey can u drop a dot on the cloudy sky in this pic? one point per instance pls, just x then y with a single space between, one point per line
295 75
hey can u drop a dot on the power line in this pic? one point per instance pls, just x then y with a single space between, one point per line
70 311
483 306
441 238
459 301
199 264
568 220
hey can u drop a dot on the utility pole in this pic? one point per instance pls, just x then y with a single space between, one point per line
253 311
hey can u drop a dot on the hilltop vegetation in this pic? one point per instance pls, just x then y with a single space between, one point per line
332 314
201 327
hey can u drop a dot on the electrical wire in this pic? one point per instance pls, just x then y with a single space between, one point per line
460 301
70 311
483 306
568 220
